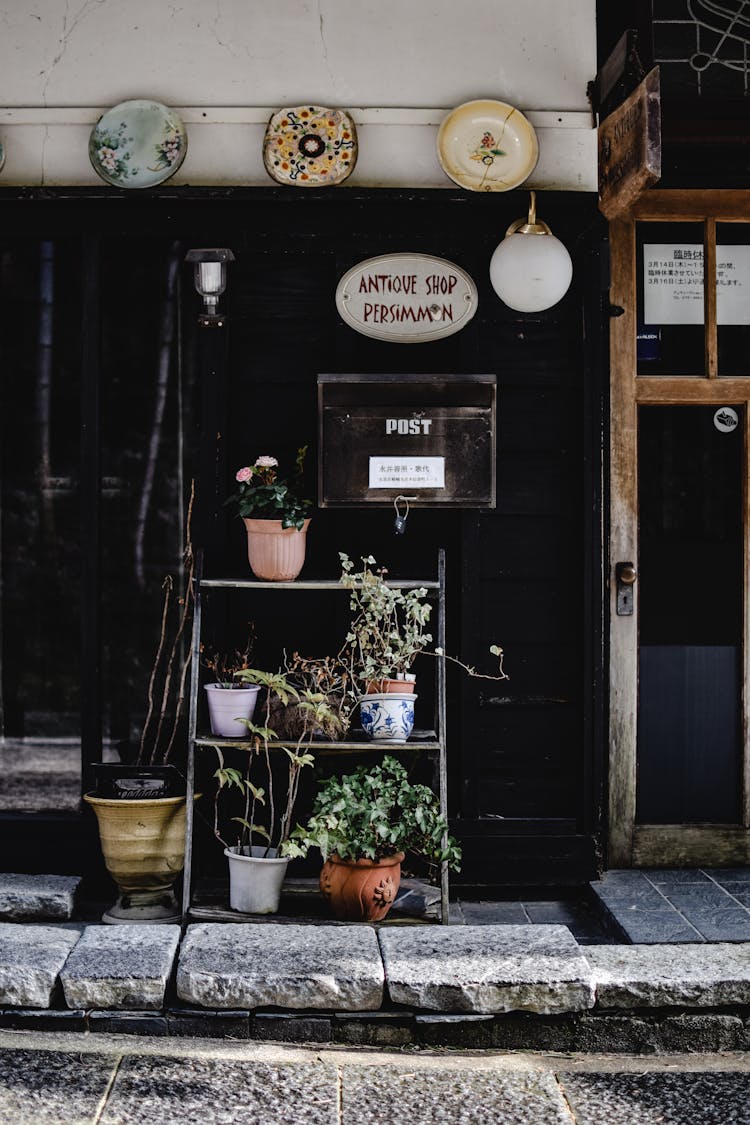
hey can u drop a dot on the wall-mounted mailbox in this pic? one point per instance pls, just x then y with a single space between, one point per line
430 437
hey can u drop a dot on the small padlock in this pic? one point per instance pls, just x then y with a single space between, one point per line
399 524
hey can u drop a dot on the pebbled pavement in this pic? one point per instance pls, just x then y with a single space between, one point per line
70 1079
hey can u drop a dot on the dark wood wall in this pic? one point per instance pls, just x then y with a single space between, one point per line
524 755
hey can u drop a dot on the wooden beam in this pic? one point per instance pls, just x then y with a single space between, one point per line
683 204
623 543
709 299
690 845
673 390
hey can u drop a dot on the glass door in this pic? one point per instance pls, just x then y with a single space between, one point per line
690 472
679 507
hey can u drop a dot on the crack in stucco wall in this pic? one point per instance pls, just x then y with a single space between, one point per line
65 33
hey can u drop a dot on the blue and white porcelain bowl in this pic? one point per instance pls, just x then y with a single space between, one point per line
388 717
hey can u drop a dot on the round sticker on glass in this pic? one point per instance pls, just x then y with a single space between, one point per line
726 419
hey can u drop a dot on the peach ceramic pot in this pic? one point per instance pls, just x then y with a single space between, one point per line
361 890
275 553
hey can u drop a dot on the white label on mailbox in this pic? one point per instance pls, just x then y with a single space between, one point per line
407 472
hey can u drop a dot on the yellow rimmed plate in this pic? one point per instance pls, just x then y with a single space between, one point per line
487 145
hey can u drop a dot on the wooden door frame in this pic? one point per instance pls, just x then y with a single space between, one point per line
632 844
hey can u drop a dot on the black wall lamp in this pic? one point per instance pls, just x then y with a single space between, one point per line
210 277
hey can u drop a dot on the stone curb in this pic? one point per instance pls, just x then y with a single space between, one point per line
481 983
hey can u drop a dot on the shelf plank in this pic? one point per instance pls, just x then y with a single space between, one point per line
310 584
419 740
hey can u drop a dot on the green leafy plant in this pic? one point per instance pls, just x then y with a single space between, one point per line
263 495
373 813
267 813
388 629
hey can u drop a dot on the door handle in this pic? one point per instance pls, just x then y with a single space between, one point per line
625 576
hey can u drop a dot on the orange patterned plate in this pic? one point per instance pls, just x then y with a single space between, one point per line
310 146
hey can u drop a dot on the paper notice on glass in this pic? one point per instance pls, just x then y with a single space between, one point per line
407 472
673 284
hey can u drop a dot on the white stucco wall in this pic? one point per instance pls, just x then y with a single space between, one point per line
63 62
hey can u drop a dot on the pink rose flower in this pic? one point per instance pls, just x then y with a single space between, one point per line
244 474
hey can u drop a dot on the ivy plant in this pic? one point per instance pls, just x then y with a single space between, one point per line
376 812
388 628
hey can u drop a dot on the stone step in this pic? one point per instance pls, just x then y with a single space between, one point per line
488 969
274 973
120 967
286 966
667 976
37 898
31 960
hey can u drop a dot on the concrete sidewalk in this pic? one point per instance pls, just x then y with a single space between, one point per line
117 1080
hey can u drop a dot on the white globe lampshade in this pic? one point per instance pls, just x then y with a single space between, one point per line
530 270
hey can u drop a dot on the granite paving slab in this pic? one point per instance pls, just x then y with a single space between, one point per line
159 1090
386 1096
285 966
696 976
120 967
39 1087
656 906
31 958
494 913
37 898
667 1098
487 969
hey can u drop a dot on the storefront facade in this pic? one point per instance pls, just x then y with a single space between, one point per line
113 398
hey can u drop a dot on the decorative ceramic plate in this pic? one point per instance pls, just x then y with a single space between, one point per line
310 146
487 146
137 144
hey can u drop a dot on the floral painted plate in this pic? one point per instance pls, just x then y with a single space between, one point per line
310 146
487 146
137 144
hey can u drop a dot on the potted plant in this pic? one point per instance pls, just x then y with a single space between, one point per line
326 678
388 630
363 824
275 517
388 627
386 634
256 871
230 703
140 806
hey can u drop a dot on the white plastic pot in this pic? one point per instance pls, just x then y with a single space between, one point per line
255 879
227 705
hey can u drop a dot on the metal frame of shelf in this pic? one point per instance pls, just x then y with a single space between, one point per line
429 741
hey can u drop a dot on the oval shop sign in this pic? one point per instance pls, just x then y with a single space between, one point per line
406 298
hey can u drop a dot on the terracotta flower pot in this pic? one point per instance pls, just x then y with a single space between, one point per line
275 553
384 687
361 890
